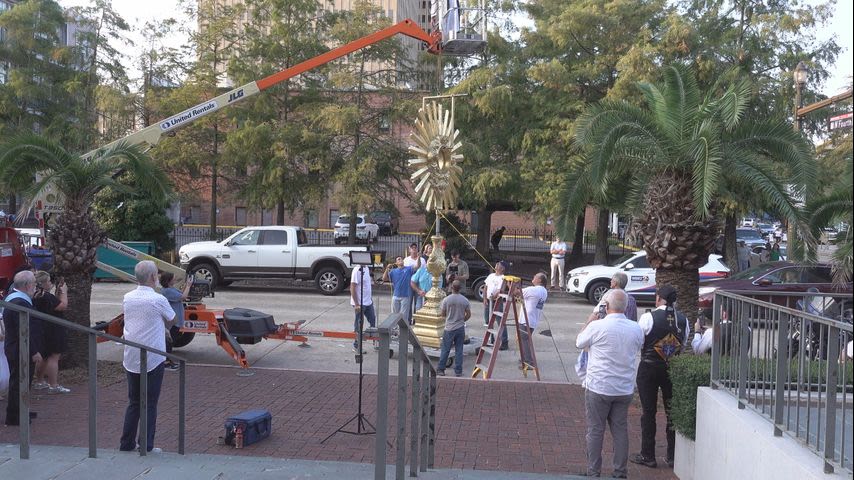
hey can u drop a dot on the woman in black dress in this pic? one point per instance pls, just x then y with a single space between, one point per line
54 335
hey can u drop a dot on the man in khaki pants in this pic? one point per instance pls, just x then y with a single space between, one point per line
558 251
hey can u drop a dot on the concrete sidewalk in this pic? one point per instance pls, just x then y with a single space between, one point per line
70 463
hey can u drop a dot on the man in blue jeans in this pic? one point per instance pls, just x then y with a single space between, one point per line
146 314
457 311
361 300
400 276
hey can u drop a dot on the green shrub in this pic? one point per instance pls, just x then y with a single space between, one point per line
687 372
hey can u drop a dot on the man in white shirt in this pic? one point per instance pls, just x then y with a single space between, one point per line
411 260
613 343
702 341
146 314
534 298
492 287
558 251
361 301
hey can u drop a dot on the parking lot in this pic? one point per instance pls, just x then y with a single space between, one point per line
556 352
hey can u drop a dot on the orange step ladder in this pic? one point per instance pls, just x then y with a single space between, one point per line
499 321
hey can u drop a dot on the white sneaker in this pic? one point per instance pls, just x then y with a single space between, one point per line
58 389
40 385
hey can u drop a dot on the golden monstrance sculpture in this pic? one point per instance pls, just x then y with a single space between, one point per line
436 175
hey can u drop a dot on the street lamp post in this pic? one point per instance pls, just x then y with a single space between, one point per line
800 75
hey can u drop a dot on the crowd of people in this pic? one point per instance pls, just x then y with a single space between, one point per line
625 355
47 341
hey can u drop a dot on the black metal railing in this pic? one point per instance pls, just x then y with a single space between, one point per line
513 241
789 365
420 398
24 315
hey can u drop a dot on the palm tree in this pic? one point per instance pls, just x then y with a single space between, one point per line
836 206
678 150
75 236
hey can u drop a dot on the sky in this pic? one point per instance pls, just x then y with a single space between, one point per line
138 12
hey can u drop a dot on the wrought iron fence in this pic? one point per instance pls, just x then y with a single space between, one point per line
416 398
513 241
24 315
786 359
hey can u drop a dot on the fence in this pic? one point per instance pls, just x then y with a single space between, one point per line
24 315
513 241
790 365
423 402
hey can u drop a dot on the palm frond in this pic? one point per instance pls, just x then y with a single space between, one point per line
705 155
682 97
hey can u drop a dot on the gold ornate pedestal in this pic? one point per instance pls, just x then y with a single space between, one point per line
429 321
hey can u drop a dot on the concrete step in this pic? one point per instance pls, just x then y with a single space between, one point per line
67 463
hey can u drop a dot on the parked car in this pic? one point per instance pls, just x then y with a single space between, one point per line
267 253
767 279
387 222
748 222
749 236
366 229
593 281
765 229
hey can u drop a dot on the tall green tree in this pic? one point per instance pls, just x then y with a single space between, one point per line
101 35
285 159
677 147
366 102
196 151
75 236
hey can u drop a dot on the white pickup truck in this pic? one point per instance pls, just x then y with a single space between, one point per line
269 252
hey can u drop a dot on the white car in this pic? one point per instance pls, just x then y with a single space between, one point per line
366 229
593 281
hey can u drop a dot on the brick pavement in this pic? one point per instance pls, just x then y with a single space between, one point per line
539 427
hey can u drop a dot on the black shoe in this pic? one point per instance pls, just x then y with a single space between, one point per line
172 367
619 475
440 373
504 347
641 460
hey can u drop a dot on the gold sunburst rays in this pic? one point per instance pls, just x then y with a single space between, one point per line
436 173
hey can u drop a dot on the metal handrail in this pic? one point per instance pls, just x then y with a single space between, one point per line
24 314
423 396
771 369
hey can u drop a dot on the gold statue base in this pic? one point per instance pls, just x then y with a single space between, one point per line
429 321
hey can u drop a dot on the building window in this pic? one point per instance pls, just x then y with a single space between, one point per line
267 216
384 123
240 216
311 220
333 217
195 215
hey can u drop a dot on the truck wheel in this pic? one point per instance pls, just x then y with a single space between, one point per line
596 290
329 280
479 289
207 272
182 339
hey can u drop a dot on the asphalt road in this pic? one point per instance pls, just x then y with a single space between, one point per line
556 353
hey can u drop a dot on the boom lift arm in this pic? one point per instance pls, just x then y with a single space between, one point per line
151 135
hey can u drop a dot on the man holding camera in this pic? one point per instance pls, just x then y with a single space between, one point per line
400 277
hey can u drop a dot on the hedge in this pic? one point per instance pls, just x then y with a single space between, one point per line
687 372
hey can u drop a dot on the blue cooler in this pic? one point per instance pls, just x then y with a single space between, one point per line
248 427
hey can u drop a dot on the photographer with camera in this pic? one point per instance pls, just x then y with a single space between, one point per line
54 337
176 299
400 276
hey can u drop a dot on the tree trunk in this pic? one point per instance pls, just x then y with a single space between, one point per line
730 248
78 311
601 255
214 190
577 250
484 225
351 237
687 284
280 212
